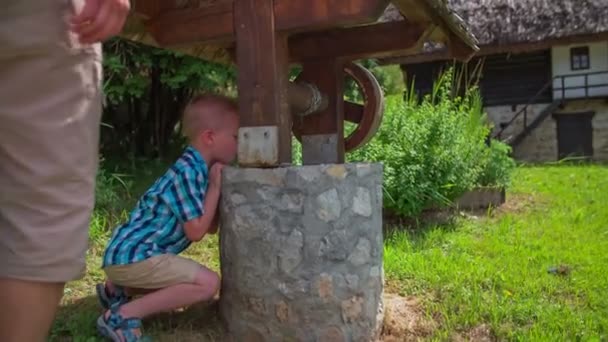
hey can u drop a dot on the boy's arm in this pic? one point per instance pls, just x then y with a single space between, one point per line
215 224
196 228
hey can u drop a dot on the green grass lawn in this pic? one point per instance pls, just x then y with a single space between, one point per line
494 270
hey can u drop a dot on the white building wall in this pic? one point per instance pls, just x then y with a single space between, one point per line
598 62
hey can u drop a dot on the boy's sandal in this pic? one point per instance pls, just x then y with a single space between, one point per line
106 300
110 326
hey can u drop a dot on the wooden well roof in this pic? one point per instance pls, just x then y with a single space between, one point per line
171 24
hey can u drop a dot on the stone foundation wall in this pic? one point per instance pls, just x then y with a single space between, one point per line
599 123
301 253
502 114
541 144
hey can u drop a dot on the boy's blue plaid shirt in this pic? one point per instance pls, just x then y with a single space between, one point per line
155 226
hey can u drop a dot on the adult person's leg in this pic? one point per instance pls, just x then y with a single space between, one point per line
50 111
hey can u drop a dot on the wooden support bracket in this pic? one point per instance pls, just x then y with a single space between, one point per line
262 61
322 134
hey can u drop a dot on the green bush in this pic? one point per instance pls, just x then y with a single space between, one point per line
434 149
497 166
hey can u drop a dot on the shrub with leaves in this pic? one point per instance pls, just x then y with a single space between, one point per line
433 149
497 166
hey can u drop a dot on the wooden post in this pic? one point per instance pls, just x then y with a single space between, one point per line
262 62
323 132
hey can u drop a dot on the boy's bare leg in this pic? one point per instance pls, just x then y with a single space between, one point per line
207 283
129 291
28 309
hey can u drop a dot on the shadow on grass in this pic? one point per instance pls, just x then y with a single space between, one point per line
428 220
421 236
76 322
449 219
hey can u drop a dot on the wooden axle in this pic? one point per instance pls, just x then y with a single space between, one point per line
305 99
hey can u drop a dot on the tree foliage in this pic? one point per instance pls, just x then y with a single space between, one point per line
146 89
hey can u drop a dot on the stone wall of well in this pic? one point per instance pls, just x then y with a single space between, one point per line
301 253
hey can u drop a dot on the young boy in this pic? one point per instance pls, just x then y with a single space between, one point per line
142 255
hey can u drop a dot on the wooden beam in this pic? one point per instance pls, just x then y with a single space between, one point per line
282 98
372 41
451 30
353 112
459 50
306 15
322 134
490 49
207 24
215 22
149 9
261 53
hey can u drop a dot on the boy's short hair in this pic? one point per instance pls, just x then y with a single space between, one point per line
191 122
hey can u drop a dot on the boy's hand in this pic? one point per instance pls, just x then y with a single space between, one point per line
215 175
196 228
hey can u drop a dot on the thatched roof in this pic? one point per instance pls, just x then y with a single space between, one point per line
450 28
507 22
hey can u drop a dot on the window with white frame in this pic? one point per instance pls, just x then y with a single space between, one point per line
579 58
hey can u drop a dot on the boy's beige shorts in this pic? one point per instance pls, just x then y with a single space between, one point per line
156 272
50 111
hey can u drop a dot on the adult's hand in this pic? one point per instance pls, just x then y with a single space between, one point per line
100 20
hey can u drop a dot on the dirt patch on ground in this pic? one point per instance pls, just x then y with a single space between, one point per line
481 333
518 203
404 320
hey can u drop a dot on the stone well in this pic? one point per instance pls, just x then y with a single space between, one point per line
301 253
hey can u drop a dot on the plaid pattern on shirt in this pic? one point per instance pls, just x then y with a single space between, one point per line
155 226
